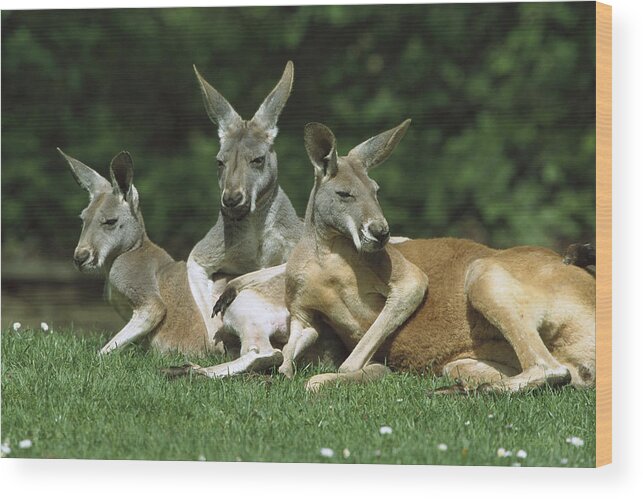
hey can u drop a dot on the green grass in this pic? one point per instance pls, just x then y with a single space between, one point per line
57 392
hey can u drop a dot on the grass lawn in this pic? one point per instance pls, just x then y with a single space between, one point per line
70 403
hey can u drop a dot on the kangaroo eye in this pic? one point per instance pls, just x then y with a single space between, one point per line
344 194
220 163
110 221
258 161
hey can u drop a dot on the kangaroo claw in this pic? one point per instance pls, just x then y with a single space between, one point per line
456 389
224 301
178 371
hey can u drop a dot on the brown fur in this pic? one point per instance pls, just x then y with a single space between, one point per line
181 329
502 320
447 327
449 324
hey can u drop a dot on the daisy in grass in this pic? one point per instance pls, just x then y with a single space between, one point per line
575 441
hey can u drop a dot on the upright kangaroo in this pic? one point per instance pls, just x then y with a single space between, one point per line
145 285
501 320
257 225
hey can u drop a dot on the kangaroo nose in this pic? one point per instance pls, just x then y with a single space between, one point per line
81 256
380 231
232 199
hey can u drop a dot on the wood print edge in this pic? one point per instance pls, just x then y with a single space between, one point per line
603 234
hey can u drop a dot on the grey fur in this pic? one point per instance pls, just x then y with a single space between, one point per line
146 286
257 225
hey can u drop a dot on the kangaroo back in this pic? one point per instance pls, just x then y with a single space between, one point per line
182 329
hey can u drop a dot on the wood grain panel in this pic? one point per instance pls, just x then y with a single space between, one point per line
603 234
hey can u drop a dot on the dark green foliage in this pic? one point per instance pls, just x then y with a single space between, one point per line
502 97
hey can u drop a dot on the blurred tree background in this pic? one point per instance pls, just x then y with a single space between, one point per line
502 97
501 149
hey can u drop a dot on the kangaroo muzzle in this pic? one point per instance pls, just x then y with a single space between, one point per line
234 204
380 231
82 256
374 235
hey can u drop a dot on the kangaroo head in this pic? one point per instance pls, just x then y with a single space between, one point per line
344 199
247 162
112 222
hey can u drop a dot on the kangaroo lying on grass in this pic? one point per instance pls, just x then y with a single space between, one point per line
257 226
501 320
143 281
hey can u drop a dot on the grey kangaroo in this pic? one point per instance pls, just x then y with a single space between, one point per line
257 225
145 285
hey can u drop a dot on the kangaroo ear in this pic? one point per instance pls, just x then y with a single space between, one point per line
377 149
219 110
269 111
121 170
321 147
87 178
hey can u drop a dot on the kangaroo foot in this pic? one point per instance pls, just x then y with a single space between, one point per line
178 371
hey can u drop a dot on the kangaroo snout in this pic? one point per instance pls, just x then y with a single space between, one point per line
81 256
234 204
380 231
233 199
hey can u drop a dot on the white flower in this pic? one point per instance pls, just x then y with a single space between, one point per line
575 441
501 452
400 400
201 457
509 426
25 444
346 453
521 454
44 326
442 447
326 452
490 416
5 449
564 460
467 423
515 464
16 326
386 430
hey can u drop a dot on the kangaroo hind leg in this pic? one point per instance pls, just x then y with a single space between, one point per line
469 374
517 310
369 373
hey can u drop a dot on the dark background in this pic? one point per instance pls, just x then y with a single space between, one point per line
501 148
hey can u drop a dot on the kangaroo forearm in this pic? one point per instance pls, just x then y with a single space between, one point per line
399 307
142 322
256 277
300 338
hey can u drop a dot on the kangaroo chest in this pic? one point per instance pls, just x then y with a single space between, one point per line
254 249
252 245
348 294
119 301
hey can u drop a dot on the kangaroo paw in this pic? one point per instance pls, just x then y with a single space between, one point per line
224 301
178 371
457 389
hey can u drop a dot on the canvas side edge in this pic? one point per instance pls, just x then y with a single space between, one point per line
603 234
